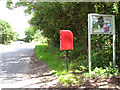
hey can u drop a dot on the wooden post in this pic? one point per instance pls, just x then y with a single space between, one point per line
114 52
66 60
114 43
89 51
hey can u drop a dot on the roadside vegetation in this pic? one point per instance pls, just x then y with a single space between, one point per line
73 77
6 33
34 36
51 17
56 61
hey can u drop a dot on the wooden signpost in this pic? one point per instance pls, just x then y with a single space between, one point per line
100 24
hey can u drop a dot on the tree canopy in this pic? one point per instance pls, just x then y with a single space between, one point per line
6 32
29 32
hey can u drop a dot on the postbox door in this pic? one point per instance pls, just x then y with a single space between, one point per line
66 40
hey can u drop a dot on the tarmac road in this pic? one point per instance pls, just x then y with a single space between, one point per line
19 68
14 61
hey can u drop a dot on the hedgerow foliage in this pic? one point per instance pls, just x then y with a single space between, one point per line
51 17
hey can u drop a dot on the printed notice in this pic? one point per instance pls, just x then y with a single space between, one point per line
101 24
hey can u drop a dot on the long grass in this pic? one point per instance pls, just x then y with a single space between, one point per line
52 56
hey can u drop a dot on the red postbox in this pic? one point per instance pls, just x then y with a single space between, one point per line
66 40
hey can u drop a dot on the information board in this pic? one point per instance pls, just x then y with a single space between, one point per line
100 24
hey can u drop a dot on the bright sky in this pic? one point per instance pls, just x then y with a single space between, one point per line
16 18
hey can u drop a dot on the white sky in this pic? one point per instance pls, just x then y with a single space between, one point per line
16 18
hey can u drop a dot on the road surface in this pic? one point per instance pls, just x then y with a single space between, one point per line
14 61
17 63
18 69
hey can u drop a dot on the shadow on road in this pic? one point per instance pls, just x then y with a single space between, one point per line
14 64
20 68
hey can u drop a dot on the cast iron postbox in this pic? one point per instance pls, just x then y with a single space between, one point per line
66 40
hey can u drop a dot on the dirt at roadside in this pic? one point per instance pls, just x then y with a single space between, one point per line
111 82
37 67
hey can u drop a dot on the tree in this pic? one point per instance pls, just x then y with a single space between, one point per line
29 32
6 32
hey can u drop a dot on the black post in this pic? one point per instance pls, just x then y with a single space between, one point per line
66 60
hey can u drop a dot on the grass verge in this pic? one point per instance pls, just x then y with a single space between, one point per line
56 61
52 56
